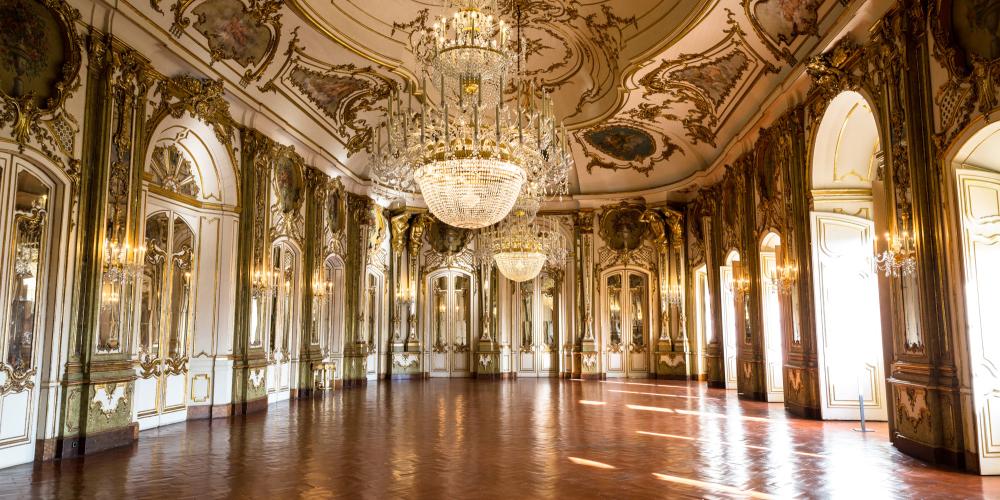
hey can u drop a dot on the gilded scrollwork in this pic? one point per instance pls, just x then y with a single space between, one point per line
346 94
245 33
972 65
202 99
14 379
702 86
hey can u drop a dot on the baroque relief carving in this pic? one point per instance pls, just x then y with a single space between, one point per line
109 399
346 94
14 379
202 99
967 43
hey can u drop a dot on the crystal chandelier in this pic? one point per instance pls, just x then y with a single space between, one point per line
523 244
471 154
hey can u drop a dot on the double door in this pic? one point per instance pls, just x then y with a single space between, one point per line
164 320
451 317
627 326
536 320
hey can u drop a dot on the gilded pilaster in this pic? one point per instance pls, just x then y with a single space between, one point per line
360 211
586 358
100 380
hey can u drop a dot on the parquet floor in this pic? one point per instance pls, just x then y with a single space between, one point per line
523 439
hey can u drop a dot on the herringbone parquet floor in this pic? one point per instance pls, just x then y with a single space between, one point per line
523 439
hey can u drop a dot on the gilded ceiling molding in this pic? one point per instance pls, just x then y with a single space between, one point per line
247 34
344 93
40 71
972 64
625 145
704 82
626 228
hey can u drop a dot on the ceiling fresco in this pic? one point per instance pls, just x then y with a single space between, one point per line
652 91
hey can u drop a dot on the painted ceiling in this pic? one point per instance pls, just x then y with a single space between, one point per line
652 90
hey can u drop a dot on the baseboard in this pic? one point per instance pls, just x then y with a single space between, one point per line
86 445
931 454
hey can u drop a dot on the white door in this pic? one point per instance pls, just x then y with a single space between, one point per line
451 324
373 324
979 200
626 307
772 330
848 325
164 321
25 230
537 319
728 326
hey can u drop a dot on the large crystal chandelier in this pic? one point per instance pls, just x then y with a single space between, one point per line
487 140
522 244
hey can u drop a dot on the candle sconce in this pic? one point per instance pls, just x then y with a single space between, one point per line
263 284
783 279
123 263
899 259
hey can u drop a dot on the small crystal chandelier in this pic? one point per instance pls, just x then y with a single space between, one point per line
898 259
523 244
471 154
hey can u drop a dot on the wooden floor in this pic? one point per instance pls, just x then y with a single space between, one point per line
492 439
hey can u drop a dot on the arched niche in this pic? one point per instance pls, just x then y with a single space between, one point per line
846 198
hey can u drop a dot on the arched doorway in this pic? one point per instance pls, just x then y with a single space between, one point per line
770 301
451 321
537 314
977 178
32 225
845 288
627 302
729 317
184 320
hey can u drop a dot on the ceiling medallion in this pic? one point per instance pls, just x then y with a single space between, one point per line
472 153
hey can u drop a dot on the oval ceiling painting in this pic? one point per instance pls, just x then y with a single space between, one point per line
622 142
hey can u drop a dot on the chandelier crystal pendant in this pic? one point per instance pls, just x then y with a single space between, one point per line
471 154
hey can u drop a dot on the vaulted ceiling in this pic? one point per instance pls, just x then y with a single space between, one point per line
652 90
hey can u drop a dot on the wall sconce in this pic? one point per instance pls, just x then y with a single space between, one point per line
783 279
123 263
672 295
406 296
898 259
263 284
320 288
740 285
